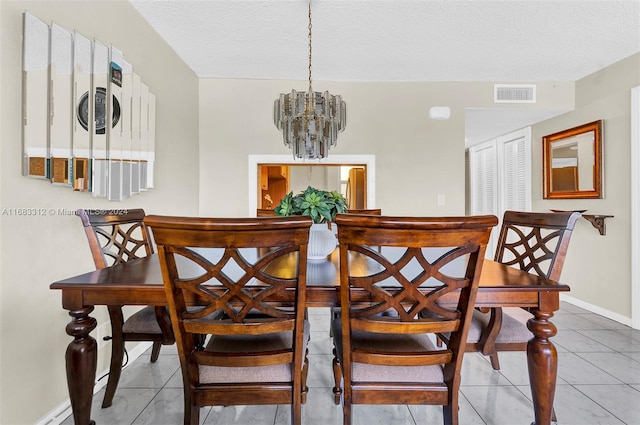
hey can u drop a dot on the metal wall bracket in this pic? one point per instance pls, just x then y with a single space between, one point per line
598 221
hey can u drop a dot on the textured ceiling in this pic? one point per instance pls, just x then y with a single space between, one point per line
401 40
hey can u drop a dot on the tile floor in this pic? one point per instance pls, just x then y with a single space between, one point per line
598 383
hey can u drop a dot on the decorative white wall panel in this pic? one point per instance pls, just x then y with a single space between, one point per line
88 119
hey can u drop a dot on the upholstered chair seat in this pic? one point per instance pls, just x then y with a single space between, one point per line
142 321
245 344
513 329
365 372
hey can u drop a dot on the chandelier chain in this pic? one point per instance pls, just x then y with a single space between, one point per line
310 97
310 90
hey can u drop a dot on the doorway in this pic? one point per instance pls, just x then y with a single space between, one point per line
309 173
277 180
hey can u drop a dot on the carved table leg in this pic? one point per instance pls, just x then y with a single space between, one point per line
81 359
542 359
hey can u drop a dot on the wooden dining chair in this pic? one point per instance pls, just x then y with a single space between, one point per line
371 211
118 236
535 242
384 352
263 212
257 353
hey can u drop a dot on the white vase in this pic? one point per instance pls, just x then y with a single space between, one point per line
321 272
322 242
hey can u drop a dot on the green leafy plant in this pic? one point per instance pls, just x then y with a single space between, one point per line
321 205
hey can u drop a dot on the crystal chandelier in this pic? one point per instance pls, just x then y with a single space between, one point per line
310 121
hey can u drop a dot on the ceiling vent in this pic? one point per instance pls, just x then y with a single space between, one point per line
514 93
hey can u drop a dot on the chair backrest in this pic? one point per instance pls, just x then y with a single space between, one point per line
372 211
227 265
115 236
263 212
536 242
425 264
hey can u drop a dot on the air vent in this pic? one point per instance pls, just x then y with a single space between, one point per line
514 93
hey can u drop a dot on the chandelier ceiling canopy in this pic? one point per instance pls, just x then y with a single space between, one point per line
310 121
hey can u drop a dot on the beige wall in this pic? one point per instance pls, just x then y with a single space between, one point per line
416 158
35 251
598 268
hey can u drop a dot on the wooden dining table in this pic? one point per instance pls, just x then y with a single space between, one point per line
139 282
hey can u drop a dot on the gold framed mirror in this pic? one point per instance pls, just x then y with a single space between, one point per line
572 162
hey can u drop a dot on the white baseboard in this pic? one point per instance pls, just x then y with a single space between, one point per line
595 309
63 410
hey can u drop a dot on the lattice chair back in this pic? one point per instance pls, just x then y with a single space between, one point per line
535 242
116 236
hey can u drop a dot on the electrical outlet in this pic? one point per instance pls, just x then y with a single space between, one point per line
441 200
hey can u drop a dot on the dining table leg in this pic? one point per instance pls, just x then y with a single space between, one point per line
81 360
542 359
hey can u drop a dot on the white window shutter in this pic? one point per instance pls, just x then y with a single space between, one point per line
500 177
482 167
484 185
514 152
